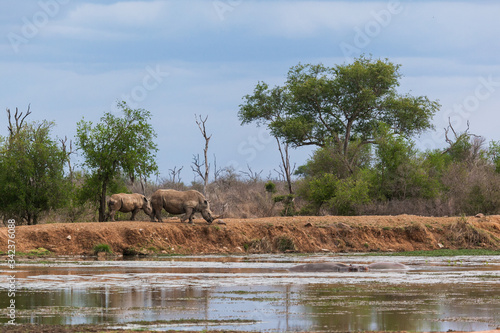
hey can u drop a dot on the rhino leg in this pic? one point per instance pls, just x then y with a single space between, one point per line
157 212
189 215
158 215
111 214
153 215
134 212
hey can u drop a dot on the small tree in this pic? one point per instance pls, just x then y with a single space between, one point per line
117 145
32 177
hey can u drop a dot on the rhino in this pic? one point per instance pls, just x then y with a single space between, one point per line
180 202
125 203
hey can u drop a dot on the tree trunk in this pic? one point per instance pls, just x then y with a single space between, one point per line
102 202
285 160
207 168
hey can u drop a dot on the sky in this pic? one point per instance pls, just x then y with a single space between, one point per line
71 60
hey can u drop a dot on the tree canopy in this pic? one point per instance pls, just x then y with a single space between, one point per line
341 106
117 145
32 177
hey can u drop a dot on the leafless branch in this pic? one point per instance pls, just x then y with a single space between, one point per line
18 116
197 164
217 171
476 143
175 175
251 175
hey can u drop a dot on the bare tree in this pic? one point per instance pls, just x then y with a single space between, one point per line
197 164
175 175
472 153
18 116
253 176
285 167
217 171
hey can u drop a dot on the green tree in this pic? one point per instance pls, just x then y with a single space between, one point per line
350 193
32 179
342 106
402 172
117 145
327 159
317 190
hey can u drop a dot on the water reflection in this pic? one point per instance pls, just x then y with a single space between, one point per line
432 296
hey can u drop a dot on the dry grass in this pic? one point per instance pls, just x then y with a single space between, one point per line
463 233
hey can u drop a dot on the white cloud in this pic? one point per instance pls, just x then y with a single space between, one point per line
133 19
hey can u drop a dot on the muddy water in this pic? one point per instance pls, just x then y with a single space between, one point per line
257 293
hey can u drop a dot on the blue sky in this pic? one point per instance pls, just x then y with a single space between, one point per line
71 59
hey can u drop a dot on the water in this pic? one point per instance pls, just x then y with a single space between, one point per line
257 293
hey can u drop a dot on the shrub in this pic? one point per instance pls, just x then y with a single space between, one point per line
285 243
270 187
351 192
39 252
102 248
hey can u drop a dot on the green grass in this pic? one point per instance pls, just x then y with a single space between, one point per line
39 252
441 253
102 248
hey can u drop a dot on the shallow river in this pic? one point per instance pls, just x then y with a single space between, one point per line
257 293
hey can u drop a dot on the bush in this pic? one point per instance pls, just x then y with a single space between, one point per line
39 252
351 192
285 243
102 248
270 187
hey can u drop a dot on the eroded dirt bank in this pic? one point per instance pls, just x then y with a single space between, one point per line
292 234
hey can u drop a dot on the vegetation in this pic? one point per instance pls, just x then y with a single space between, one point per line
285 243
105 248
39 252
341 107
117 146
366 161
32 177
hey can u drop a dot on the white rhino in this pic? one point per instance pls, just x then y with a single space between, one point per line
125 203
180 202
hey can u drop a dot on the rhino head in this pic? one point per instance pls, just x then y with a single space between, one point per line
146 206
206 213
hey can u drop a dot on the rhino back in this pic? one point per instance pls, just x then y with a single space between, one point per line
174 202
127 202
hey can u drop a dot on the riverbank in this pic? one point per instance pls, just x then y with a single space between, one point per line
302 234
